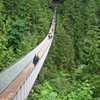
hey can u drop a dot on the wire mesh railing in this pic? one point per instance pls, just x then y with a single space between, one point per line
10 75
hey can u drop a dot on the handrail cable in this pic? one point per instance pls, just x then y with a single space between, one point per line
19 88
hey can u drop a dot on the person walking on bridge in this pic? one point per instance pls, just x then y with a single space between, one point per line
50 35
36 59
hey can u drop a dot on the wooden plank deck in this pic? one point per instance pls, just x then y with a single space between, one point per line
12 89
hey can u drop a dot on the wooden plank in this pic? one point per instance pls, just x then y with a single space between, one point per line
13 88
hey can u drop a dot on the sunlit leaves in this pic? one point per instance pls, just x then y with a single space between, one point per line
82 93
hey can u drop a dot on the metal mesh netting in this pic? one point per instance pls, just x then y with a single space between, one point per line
7 76
26 87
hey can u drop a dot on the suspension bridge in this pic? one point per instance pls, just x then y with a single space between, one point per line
17 81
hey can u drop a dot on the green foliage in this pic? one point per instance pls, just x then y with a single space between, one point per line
23 25
74 56
66 55
44 92
84 92
81 21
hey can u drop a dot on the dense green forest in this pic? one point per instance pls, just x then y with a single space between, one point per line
72 68
23 25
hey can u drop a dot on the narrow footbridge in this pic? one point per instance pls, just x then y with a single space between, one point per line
17 81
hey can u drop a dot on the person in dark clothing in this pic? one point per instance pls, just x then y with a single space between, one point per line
49 35
36 59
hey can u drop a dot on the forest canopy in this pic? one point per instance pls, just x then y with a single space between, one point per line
72 68
23 25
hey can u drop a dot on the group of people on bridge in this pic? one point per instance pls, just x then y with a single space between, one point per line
51 32
36 57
